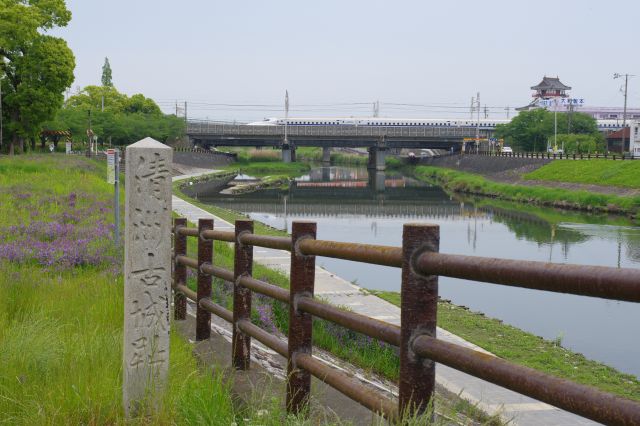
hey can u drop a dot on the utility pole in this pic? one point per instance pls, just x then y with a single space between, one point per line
478 122
624 113
569 118
507 109
286 115
486 112
176 108
376 109
473 103
555 126
185 113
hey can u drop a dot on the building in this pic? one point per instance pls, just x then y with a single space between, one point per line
611 113
549 88
631 136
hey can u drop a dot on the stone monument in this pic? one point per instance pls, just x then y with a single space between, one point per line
147 272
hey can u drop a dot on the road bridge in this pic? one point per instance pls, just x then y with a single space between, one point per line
377 139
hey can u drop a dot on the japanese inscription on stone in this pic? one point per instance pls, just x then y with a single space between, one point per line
147 274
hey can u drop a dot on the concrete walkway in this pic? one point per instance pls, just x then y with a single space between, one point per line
493 399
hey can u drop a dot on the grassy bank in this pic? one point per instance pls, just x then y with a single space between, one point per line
578 200
263 162
624 174
61 309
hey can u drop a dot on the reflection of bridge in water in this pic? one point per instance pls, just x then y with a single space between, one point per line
310 200
286 208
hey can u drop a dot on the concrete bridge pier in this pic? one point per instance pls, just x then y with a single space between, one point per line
288 152
377 157
326 155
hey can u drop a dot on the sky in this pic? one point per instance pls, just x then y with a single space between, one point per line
336 58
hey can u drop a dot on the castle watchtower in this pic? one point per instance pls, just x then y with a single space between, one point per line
550 88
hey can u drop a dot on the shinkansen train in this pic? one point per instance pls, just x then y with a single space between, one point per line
485 124
376 121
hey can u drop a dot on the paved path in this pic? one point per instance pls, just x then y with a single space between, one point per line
493 399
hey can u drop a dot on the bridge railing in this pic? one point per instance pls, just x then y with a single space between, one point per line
421 264
213 129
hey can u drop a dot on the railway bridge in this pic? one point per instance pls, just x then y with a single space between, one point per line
377 139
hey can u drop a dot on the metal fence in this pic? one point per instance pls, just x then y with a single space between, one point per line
421 264
557 156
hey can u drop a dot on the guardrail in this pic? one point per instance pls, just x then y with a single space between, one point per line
421 264
557 156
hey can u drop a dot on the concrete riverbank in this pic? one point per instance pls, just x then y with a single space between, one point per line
490 398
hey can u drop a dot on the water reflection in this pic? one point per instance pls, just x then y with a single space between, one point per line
350 204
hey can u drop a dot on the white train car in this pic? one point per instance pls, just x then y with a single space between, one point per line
377 121
485 124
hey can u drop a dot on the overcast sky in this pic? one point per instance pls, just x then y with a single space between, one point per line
434 53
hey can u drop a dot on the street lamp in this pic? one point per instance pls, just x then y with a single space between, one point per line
624 113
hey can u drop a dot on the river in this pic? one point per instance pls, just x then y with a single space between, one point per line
350 205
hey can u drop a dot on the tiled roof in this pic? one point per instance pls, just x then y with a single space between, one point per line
550 83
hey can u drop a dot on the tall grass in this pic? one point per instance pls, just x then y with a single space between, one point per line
272 168
61 322
259 155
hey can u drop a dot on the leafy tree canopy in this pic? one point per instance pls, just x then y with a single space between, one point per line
581 143
91 97
124 120
36 67
532 130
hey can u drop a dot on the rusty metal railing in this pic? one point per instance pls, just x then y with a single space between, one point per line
421 264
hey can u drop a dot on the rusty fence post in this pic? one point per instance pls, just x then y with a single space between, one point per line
242 266
179 271
419 304
302 278
205 256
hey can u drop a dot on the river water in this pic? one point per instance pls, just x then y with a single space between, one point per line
348 204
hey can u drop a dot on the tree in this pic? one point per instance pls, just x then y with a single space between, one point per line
581 143
106 74
138 103
91 98
123 121
527 131
38 67
532 130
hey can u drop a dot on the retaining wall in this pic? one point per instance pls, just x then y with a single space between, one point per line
201 158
